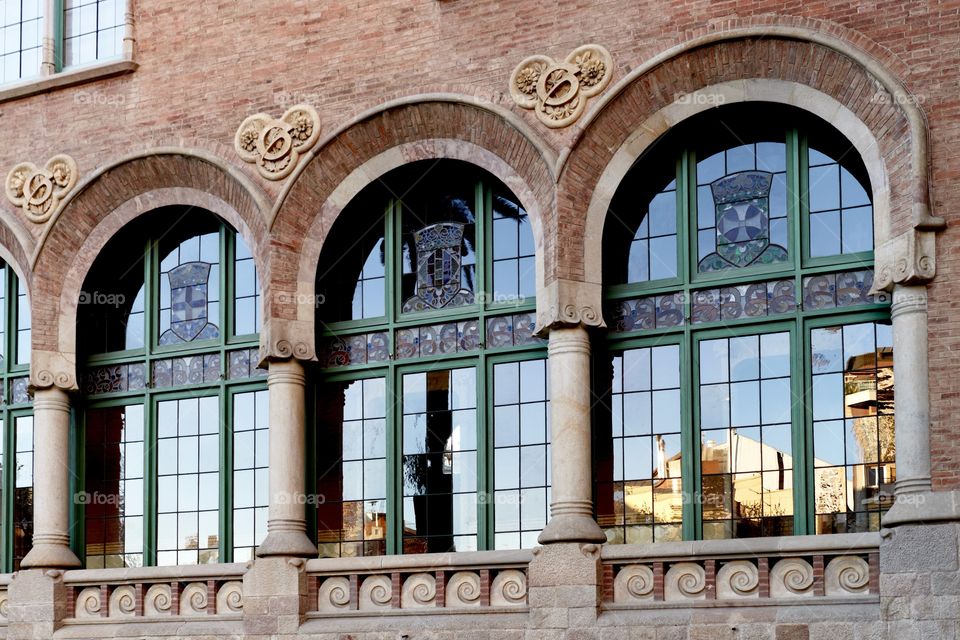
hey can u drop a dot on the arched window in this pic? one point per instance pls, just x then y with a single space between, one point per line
173 432
747 388
16 423
432 418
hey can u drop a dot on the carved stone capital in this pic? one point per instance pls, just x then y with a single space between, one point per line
558 91
285 339
907 259
275 144
566 303
53 369
39 191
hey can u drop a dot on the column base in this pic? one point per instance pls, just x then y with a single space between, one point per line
292 544
572 528
50 556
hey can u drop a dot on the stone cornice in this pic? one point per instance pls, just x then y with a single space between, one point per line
906 259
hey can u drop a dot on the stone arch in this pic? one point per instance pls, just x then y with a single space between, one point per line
100 206
419 128
815 72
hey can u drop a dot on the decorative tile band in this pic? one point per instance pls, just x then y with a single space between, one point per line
756 300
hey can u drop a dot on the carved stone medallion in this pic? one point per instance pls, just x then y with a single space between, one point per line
275 144
558 91
38 191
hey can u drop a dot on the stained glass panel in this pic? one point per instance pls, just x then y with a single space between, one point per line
190 291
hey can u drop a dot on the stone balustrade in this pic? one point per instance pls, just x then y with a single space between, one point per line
804 568
155 592
428 582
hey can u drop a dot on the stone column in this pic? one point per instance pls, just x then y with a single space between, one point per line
286 526
912 406
48 65
51 482
571 507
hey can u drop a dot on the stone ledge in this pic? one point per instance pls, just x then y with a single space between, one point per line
739 604
793 545
67 78
923 508
422 562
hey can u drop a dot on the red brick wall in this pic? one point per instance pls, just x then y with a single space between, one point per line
205 66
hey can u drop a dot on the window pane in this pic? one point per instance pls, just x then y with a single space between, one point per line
23 489
841 213
113 495
747 484
853 430
639 479
94 24
184 497
351 466
521 464
250 453
439 462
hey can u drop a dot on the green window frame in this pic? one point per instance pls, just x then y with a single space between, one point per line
486 310
681 295
227 367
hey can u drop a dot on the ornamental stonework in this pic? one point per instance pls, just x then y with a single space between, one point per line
38 191
558 91
275 144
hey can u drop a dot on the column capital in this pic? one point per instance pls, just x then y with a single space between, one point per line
907 259
568 303
53 369
282 339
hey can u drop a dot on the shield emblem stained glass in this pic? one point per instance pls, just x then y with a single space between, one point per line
438 268
742 205
189 304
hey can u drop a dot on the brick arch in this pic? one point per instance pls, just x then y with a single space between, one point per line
101 205
819 74
424 127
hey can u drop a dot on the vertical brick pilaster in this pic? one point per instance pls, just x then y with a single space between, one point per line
138 600
608 583
313 592
873 560
441 586
354 592
819 589
104 601
396 589
71 611
763 571
174 598
211 597
658 581
710 572
484 587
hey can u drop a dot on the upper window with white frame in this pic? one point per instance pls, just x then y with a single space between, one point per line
84 32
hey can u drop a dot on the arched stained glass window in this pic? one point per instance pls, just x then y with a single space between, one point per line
173 435
747 385
432 419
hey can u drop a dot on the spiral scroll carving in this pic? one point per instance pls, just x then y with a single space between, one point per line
193 599
123 602
376 593
791 578
230 597
4 602
88 603
44 379
509 589
419 590
158 601
287 349
738 579
463 590
685 581
334 594
845 575
633 582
